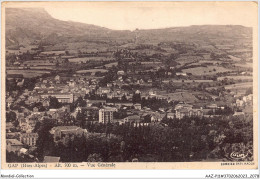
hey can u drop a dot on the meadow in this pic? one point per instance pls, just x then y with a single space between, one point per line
209 70
92 71
236 78
87 59
28 73
244 65
239 88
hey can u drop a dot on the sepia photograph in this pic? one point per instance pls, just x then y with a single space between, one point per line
129 85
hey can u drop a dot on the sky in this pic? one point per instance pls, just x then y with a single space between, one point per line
153 15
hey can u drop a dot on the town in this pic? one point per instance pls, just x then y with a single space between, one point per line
131 100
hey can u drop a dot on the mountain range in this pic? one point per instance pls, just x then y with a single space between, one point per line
35 25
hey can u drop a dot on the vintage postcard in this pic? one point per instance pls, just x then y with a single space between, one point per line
129 85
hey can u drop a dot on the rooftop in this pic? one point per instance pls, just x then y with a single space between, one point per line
133 117
29 135
13 142
67 128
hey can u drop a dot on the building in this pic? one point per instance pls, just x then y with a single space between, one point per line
137 106
248 99
181 74
9 101
62 97
133 118
35 109
120 73
23 151
170 115
157 117
183 105
106 115
91 102
182 112
239 113
185 112
8 126
46 102
72 83
103 90
29 138
119 121
61 132
239 103
57 78
34 99
212 106
22 124
13 145
121 104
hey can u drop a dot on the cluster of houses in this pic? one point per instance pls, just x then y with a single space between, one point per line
137 114
245 101
22 143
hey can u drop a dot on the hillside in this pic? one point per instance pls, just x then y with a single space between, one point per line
197 32
26 26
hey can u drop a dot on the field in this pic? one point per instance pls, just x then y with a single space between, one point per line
236 78
74 47
43 68
92 71
234 58
209 70
53 52
244 65
147 51
209 61
201 62
150 63
239 88
192 81
28 73
87 59
183 96
239 85
109 65
189 59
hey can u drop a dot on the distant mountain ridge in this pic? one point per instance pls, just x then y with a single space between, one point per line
24 26
36 24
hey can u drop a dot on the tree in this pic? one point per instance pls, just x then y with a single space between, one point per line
81 119
12 157
45 142
147 119
94 158
66 61
37 126
54 103
137 98
249 91
81 102
11 116
67 52
124 98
